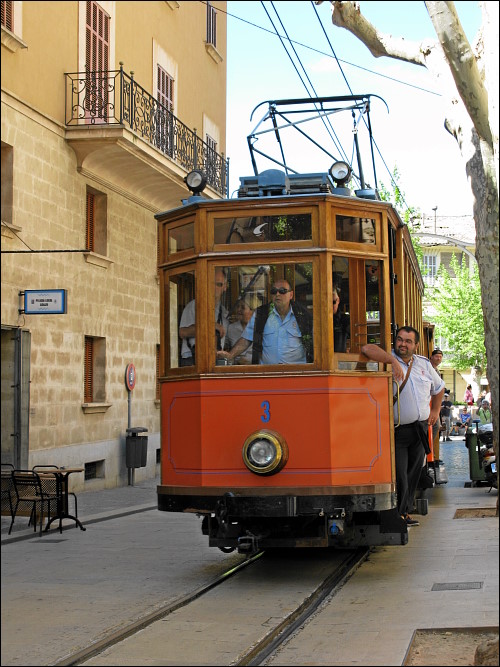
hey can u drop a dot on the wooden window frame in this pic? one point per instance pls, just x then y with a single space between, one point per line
97 48
211 25
8 15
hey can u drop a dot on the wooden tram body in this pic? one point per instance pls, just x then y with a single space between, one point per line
330 420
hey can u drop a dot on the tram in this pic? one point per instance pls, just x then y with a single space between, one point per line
295 451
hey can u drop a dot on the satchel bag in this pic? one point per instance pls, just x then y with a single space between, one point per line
395 397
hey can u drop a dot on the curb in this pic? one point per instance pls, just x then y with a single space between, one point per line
93 518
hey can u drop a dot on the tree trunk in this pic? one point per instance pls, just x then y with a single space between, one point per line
474 125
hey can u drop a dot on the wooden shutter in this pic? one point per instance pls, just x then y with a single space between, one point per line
165 123
211 25
88 372
8 15
89 238
97 61
165 94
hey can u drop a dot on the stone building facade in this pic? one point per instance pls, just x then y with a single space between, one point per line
105 108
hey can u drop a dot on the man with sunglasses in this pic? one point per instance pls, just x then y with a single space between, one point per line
280 332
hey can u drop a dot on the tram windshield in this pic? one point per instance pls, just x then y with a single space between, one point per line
270 310
261 228
263 314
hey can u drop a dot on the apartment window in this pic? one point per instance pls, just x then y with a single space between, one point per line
165 89
8 15
210 158
94 390
97 35
165 119
211 25
429 266
96 232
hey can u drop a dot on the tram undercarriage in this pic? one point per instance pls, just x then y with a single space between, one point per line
248 524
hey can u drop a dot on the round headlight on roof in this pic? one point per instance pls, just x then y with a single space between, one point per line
196 181
265 452
340 172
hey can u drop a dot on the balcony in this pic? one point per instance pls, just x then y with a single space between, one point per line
125 139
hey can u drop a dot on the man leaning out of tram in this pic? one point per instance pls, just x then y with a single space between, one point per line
280 332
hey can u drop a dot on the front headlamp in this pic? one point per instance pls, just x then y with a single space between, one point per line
265 452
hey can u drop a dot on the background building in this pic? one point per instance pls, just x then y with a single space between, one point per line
105 108
441 238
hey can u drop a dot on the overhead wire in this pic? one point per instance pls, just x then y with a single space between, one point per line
328 55
350 90
330 131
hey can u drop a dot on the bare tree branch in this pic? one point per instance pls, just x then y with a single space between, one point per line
462 63
348 15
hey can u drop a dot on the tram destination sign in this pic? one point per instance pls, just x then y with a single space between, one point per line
45 302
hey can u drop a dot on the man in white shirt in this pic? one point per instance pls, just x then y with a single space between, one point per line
417 407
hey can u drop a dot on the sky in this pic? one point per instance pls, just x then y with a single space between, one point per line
409 132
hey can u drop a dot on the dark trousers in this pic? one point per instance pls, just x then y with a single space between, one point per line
410 457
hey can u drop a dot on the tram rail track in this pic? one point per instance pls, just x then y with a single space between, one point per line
81 656
256 652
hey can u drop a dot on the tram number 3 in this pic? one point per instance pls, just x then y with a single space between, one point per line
267 411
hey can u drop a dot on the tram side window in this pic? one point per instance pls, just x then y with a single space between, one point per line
340 302
181 318
357 230
270 315
373 275
357 304
256 229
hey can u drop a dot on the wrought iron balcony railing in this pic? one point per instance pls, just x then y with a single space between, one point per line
113 97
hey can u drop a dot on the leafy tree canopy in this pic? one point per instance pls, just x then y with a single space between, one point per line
459 316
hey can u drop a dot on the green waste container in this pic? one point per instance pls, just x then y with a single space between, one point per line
476 470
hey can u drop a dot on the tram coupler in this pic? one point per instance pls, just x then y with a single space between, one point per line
248 544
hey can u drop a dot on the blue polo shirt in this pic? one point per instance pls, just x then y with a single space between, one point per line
281 339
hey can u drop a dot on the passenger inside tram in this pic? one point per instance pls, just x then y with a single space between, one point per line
341 323
187 326
244 310
280 332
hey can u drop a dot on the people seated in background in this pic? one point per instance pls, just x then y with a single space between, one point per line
280 332
463 421
341 323
187 326
484 413
244 310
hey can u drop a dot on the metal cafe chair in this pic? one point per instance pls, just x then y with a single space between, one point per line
29 491
7 490
51 485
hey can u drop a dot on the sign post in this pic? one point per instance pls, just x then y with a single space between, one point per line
130 384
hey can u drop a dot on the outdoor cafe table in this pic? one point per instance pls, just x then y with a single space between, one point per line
62 483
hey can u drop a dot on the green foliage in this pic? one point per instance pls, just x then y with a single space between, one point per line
459 317
408 214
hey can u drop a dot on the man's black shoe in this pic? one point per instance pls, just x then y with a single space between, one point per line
411 522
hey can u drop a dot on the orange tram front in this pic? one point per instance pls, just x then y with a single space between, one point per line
294 450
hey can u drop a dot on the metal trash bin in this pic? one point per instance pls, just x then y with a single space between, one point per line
136 452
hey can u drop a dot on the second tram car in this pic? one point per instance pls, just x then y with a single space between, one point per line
292 448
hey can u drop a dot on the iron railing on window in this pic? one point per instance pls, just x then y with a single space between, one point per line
115 98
